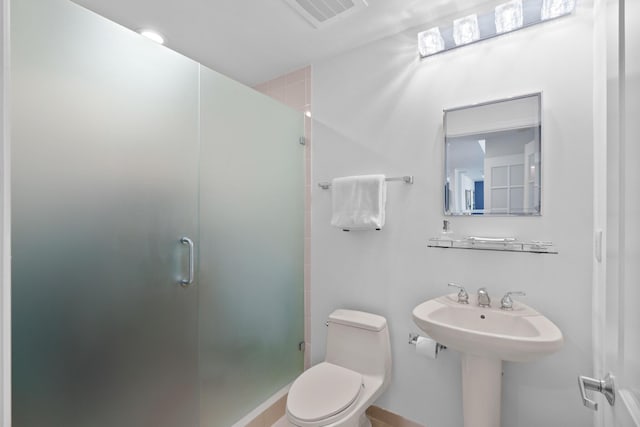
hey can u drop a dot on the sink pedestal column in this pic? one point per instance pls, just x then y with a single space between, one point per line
481 390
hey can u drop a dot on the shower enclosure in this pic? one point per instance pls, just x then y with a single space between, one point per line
157 231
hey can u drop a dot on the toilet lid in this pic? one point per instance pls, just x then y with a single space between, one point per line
323 391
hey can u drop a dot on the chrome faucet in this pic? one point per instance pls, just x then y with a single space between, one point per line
463 296
483 298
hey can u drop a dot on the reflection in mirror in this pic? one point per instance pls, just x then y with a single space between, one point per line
492 158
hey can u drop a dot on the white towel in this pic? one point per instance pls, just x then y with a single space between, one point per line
358 202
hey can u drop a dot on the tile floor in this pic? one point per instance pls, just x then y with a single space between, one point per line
378 416
282 422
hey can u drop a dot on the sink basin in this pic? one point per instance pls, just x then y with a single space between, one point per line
486 336
519 335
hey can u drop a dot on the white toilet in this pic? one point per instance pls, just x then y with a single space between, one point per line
355 372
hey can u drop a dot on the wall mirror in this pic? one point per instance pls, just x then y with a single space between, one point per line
493 157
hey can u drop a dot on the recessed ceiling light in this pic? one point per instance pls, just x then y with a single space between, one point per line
152 35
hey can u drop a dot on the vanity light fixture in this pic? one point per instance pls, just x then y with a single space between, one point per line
466 30
555 8
430 42
509 16
152 35
512 15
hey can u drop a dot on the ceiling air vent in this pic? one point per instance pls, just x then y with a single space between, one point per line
322 12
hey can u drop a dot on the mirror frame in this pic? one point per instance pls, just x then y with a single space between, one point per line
446 195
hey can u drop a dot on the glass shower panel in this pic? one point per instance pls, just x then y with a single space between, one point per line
251 255
104 152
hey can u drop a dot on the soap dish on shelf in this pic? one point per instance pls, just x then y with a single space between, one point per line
505 244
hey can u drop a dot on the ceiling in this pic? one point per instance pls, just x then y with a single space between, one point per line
254 41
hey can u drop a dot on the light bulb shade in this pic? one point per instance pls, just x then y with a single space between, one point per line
465 30
508 16
430 42
554 8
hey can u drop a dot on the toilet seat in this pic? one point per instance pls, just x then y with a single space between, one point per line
323 392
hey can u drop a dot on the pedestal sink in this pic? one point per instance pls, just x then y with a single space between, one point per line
486 336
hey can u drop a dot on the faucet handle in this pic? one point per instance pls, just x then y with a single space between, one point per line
463 296
507 302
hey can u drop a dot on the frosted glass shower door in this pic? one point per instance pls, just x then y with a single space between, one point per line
104 169
251 256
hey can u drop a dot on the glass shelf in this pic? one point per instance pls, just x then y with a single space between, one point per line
493 244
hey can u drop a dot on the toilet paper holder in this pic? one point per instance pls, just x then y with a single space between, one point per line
413 338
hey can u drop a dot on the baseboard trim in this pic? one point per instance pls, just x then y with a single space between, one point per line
274 408
382 418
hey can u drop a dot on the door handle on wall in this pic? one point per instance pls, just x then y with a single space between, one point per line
606 387
189 280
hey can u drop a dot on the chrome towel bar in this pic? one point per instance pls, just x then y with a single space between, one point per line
407 179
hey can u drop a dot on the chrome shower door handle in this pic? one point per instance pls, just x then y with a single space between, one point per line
605 386
189 280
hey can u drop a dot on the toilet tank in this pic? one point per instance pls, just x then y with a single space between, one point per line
359 341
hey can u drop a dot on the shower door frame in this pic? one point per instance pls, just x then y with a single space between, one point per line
5 221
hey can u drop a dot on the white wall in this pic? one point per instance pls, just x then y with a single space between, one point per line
378 109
